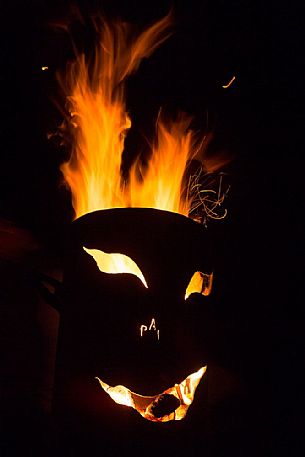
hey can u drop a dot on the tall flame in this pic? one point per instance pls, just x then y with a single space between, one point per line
162 186
98 122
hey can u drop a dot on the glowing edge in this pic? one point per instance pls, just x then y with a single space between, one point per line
115 263
184 392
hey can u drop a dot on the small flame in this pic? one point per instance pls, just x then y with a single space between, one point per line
184 392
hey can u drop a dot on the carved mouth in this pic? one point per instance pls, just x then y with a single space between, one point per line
172 404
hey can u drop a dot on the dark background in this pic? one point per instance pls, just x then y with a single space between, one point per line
258 247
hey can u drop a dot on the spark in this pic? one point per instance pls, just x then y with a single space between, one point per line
229 83
206 199
44 68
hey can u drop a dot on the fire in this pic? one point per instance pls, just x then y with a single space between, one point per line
144 405
162 187
98 122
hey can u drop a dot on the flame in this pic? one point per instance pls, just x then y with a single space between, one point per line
184 392
98 122
162 186
115 263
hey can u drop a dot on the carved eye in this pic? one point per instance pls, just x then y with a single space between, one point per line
115 263
200 283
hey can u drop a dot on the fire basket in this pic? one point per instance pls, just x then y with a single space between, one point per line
137 339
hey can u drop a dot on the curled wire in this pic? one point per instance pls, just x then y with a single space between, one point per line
207 193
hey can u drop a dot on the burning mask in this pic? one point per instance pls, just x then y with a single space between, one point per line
137 266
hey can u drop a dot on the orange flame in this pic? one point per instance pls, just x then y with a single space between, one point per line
162 186
98 122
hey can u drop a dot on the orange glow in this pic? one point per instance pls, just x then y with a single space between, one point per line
115 263
98 123
200 283
229 83
184 392
162 186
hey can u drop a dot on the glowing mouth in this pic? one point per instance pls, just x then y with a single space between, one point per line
172 404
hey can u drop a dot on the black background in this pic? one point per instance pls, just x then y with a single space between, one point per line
259 119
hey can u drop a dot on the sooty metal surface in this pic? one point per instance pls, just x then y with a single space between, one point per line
102 314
